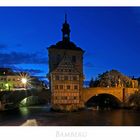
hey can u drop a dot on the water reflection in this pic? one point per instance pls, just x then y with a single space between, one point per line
87 117
24 111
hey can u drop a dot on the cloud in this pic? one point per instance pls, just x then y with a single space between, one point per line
31 71
22 58
19 69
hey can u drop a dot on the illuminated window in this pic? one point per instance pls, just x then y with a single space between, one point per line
75 97
58 58
75 87
62 77
69 78
53 77
63 97
57 77
58 97
74 59
61 86
56 86
77 77
65 77
4 79
68 86
74 78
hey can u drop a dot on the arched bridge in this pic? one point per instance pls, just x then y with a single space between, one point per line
17 96
121 94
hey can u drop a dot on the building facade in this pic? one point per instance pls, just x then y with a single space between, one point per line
10 80
66 73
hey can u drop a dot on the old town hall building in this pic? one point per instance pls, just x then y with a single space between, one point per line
66 73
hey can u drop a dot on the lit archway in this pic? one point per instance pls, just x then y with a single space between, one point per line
32 101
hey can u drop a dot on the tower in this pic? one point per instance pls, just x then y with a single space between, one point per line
66 72
66 30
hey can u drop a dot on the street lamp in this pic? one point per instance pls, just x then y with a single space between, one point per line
7 86
24 81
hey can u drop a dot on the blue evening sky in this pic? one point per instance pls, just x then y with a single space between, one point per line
109 35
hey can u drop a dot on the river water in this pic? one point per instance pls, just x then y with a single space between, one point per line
45 117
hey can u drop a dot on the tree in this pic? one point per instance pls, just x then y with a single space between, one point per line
112 78
138 81
134 100
91 83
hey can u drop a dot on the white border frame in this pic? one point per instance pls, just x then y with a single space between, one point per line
69 2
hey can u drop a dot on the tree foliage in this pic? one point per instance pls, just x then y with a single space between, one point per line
134 100
112 78
138 81
91 83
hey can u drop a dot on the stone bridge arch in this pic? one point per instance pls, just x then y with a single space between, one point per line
108 95
17 96
104 100
122 94
31 100
88 93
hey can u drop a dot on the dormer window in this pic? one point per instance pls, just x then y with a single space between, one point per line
58 58
73 59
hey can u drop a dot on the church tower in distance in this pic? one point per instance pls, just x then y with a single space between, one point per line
66 73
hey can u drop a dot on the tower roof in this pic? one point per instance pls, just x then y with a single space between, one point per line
66 65
65 18
65 43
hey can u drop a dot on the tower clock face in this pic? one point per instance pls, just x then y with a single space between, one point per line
66 35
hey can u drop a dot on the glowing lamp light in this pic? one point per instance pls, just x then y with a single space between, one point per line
24 80
6 85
